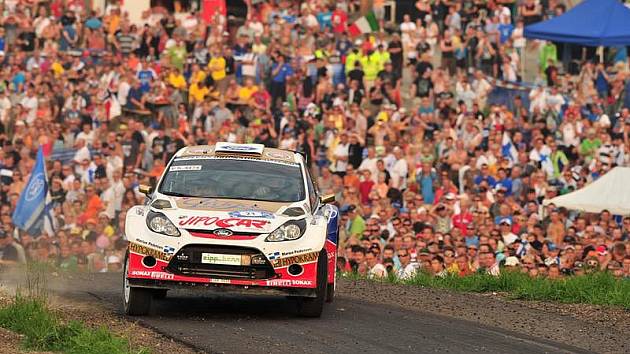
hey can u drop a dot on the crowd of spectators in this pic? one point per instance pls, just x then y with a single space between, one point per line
397 123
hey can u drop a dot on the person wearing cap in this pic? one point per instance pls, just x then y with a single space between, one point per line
505 228
356 221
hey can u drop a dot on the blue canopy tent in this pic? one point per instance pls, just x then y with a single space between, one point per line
591 23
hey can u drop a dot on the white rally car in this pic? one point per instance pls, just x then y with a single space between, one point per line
236 217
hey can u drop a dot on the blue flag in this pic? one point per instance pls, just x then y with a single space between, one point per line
33 212
508 149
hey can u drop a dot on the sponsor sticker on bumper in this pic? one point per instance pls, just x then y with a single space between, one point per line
223 259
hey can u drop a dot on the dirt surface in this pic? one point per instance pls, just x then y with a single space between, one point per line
365 317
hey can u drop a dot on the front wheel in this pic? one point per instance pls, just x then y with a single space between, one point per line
136 301
313 307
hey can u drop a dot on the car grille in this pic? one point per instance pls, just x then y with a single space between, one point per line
235 235
187 262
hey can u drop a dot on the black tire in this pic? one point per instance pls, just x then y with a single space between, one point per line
313 307
160 294
136 301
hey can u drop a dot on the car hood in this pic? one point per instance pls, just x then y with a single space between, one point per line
243 216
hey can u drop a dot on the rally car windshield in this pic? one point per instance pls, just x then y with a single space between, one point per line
233 179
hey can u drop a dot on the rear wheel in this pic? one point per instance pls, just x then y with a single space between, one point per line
312 307
136 301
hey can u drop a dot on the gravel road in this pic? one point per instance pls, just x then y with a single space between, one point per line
365 317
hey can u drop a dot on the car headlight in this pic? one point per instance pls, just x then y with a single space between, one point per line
291 230
158 222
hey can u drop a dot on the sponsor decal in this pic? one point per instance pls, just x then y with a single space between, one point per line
199 150
140 211
223 232
220 281
198 157
274 255
182 257
140 249
222 223
203 203
148 243
290 253
169 250
154 275
238 148
302 258
278 155
162 275
252 213
185 168
289 282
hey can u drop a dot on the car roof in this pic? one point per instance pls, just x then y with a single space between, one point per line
250 151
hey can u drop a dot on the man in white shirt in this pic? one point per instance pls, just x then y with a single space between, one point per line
83 153
505 227
5 106
118 190
407 269
341 154
30 104
369 163
399 170
87 135
377 269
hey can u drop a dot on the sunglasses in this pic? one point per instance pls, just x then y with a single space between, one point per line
403 255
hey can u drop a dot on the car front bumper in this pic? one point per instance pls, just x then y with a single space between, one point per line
167 273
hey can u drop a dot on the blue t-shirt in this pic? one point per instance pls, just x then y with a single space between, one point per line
283 73
135 93
472 241
491 181
72 34
426 186
145 77
505 32
507 184
18 79
325 19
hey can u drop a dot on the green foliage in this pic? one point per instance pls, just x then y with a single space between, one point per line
599 288
44 331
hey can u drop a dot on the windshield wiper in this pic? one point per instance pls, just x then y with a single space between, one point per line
177 194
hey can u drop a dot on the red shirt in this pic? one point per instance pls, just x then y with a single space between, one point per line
460 221
365 188
339 20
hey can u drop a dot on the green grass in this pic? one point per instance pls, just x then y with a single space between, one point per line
29 314
43 330
597 288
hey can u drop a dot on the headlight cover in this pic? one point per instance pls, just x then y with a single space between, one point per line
289 231
158 222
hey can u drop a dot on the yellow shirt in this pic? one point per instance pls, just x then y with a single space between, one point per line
197 94
57 69
245 93
198 77
217 68
177 81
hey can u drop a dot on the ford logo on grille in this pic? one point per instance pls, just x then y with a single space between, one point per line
222 232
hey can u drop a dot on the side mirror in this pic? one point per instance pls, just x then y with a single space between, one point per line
327 199
144 189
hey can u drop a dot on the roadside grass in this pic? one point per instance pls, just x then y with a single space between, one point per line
598 288
30 315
